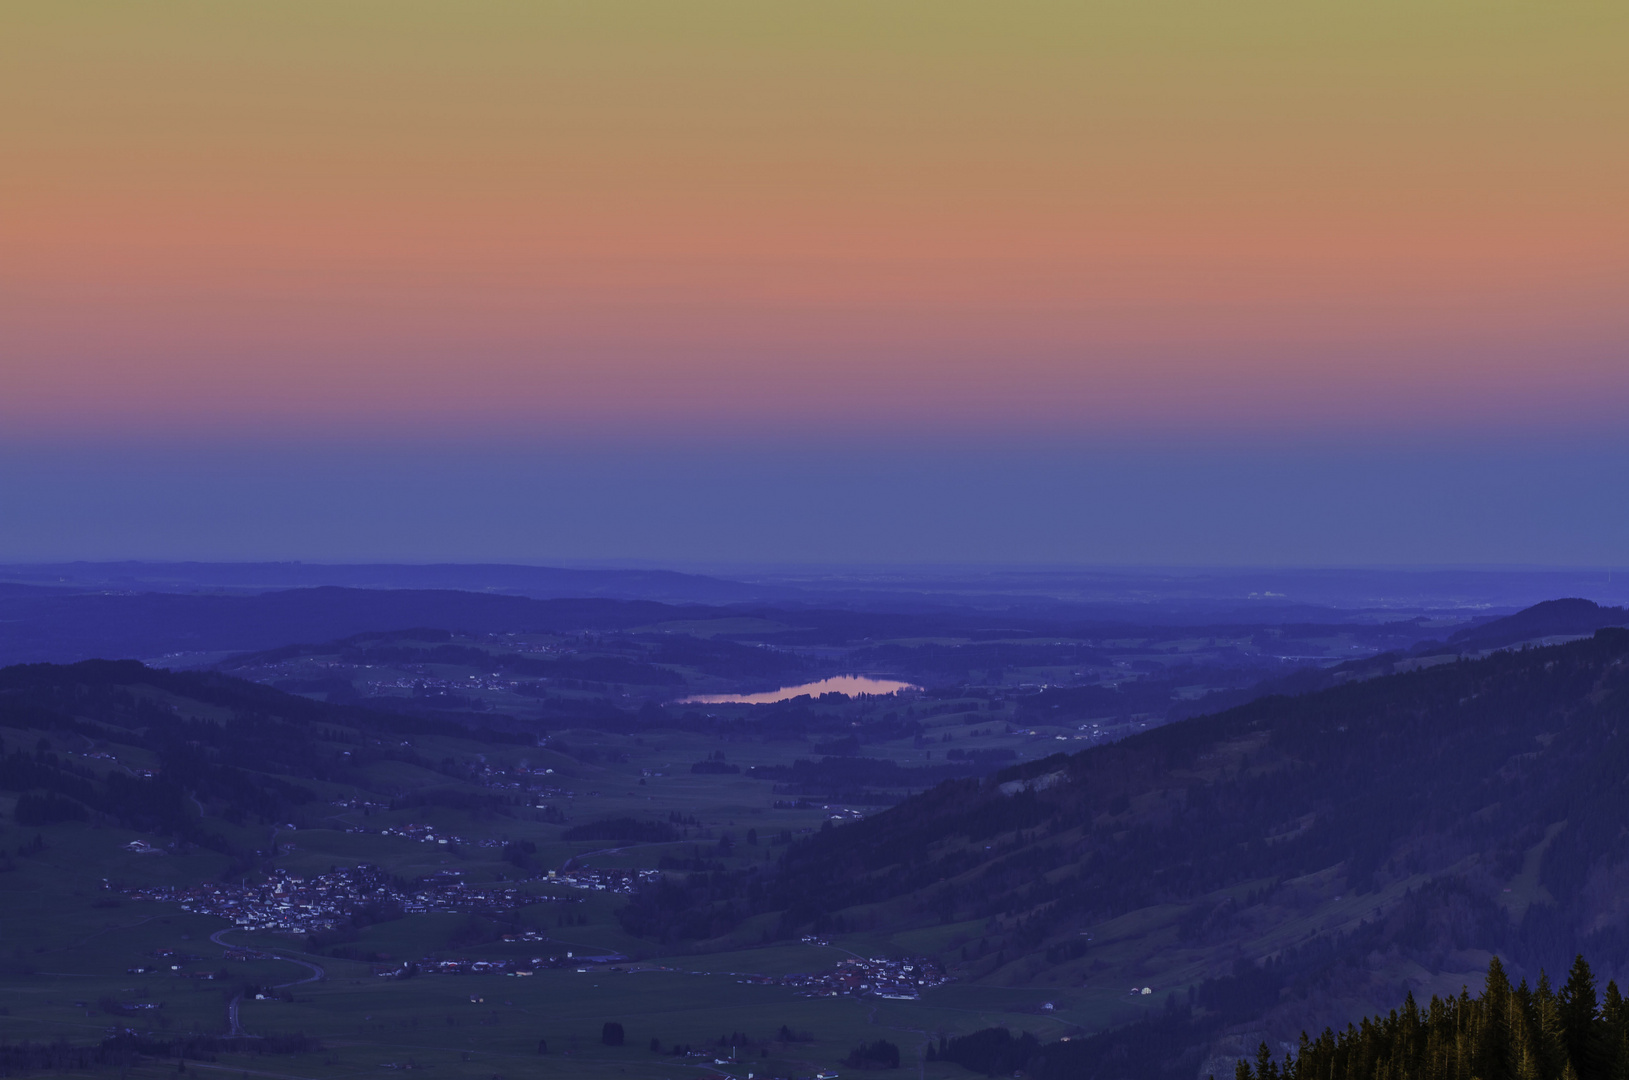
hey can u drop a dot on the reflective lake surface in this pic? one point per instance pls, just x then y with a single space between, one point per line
852 685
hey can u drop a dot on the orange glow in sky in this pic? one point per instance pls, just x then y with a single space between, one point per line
636 217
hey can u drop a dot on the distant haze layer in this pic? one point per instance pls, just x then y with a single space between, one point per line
1271 506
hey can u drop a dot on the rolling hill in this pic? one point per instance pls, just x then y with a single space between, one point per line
535 582
1281 866
1570 617
63 625
210 761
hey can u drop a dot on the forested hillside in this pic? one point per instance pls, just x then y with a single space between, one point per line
222 758
1519 1032
1317 851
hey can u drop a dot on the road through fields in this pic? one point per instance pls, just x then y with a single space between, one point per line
233 1025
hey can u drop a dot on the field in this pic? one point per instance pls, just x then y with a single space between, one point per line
66 976
470 1025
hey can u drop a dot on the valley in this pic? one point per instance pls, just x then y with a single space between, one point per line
491 843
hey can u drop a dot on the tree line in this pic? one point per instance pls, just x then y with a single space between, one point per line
1506 1033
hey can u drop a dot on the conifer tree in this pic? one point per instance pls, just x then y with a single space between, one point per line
1579 1020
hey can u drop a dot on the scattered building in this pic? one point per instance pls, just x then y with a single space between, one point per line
622 882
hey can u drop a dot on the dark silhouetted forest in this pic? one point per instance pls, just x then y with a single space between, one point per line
1509 1033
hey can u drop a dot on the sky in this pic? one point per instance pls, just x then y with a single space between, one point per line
1185 282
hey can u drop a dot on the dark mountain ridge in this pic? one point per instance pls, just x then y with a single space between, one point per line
1553 618
534 582
62 626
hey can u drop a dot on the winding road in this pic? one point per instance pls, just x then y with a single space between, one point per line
234 1026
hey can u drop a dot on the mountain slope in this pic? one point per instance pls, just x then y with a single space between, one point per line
205 759
1397 829
1552 618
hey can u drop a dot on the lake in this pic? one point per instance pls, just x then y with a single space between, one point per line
851 685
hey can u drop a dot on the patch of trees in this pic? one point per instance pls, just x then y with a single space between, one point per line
990 757
47 809
1532 1033
973 661
612 669
126 1050
43 771
478 803
694 864
519 853
699 905
991 1051
332 940
889 728
855 772
722 657
881 1054
623 830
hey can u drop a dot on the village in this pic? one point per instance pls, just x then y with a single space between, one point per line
426 834
520 968
620 882
898 980
286 904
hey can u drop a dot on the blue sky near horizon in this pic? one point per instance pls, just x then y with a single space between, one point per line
1285 505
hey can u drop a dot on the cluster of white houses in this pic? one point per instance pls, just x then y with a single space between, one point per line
424 834
623 882
287 904
902 980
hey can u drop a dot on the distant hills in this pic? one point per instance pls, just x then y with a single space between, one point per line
536 582
63 624
1167 596
57 625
